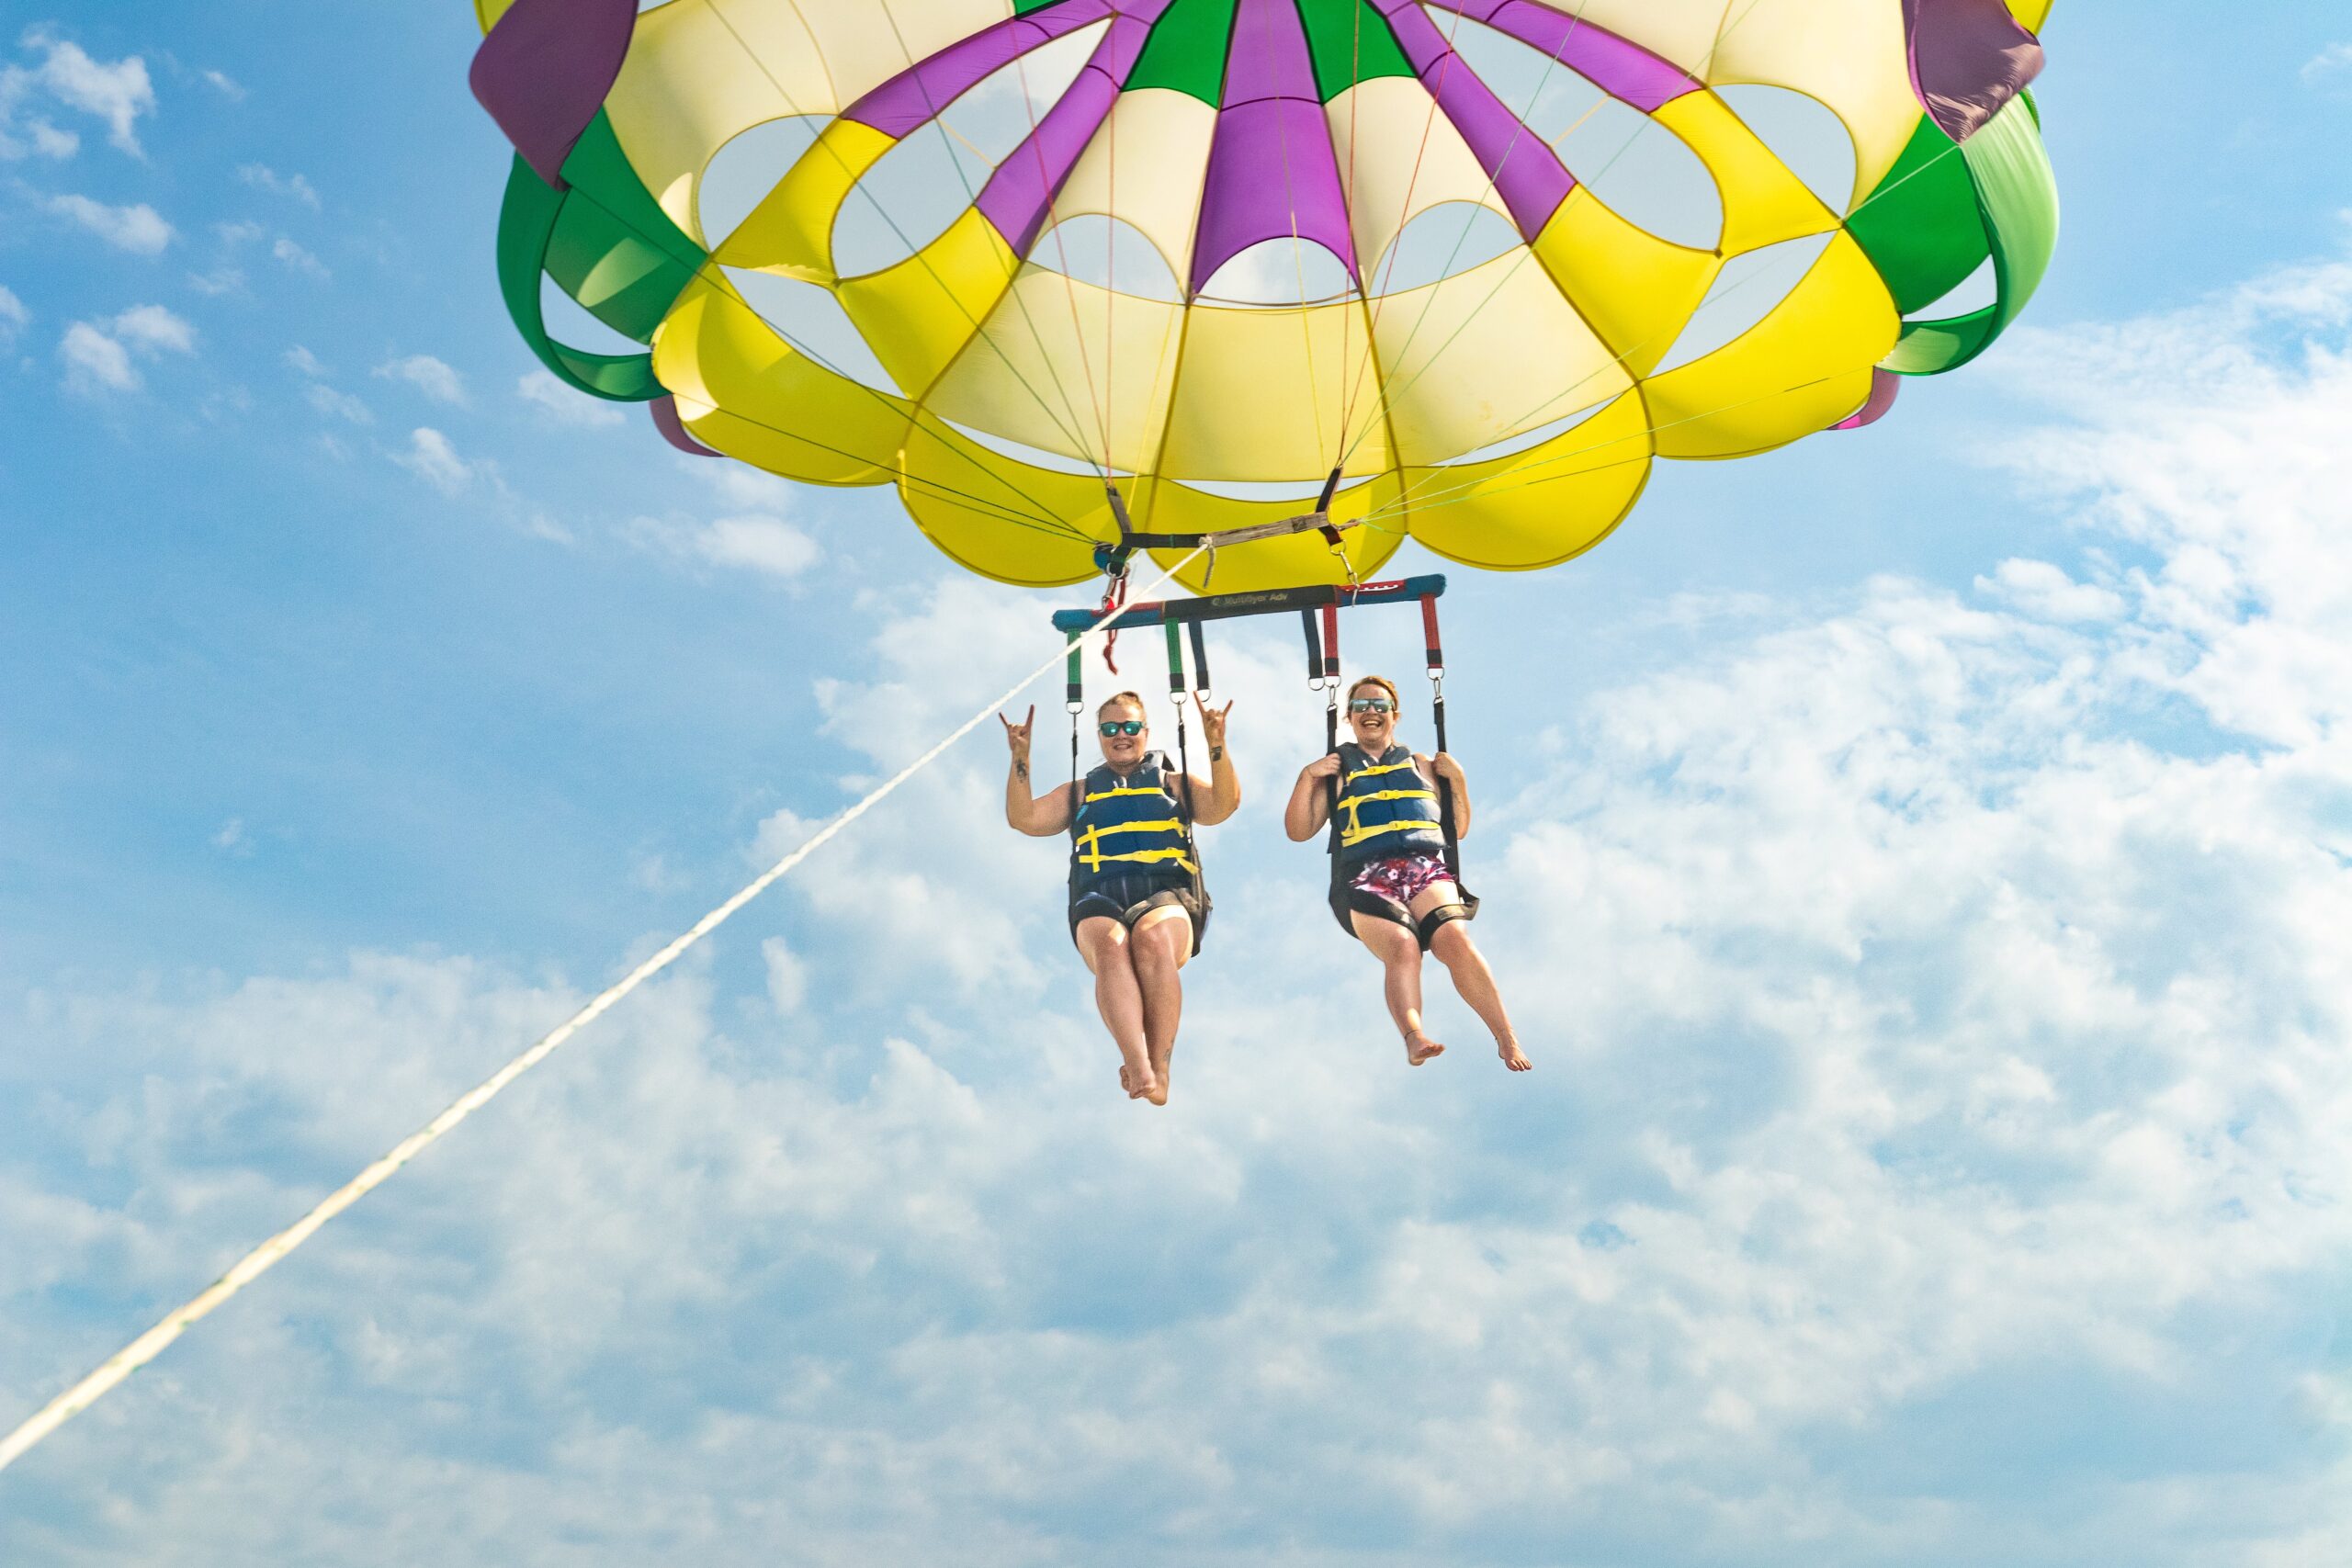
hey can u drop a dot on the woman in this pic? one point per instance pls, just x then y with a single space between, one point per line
1135 911
1393 891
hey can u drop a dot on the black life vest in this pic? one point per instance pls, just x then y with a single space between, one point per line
1385 808
1122 825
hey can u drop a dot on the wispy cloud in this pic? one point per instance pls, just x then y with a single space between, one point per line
13 315
432 459
102 358
562 405
338 404
2333 63
226 85
769 547
138 228
429 375
298 260
118 92
294 187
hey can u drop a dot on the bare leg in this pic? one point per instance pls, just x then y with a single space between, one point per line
1400 956
1103 942
1452 946
1161 945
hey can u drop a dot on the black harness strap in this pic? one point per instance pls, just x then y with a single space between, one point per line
1185 810
1437 706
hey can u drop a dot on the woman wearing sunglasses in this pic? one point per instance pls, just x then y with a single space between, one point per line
1133 910
1393 891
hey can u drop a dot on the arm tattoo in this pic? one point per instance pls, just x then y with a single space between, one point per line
1216 753
1021 771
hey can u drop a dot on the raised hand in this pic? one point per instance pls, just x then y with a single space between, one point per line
1016 736
1213 723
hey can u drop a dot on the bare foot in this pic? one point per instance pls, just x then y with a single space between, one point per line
1514 1058
1152 1088
1419 1048
1159 1094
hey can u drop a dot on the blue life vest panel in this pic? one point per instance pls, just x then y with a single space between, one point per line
1385 808
1126 825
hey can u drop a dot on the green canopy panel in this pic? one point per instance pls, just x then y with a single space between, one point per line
2017 200
609 245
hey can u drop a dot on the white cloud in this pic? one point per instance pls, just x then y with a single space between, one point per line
262 177
48 142
788 976
339 404
429 375
100 357
2040 589
433 459
227 86
768 546
234 235
2329 65
306 363
118 92
13 315
95 363
156 330
232 839
565 406
298 259
139 228
220 280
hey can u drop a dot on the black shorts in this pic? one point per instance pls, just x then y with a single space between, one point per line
1129 898
1349 902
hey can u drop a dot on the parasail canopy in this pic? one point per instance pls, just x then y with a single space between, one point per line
1483 260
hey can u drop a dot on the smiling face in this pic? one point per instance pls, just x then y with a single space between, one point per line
1123 751
1375 729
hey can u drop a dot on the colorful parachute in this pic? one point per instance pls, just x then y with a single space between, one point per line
1483 259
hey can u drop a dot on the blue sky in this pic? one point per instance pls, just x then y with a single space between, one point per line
1916 856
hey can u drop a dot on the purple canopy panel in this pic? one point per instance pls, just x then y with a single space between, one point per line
673 426
1969 58
545 69
916 95
1885 385
1271 172
1528 175
1020 195
1619 67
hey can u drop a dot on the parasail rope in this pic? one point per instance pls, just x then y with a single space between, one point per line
261 1259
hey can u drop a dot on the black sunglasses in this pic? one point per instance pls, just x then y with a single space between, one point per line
1110 726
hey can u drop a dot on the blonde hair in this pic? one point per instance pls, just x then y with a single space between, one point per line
1384 684
1130 698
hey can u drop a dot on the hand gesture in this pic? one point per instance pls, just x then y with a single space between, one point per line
1213 723
1327 766
1016 736
1449 771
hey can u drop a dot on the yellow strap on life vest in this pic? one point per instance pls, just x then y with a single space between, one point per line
1124 789
1351 837
1095 860
1381 767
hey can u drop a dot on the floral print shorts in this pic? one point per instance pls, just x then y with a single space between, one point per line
1403 878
